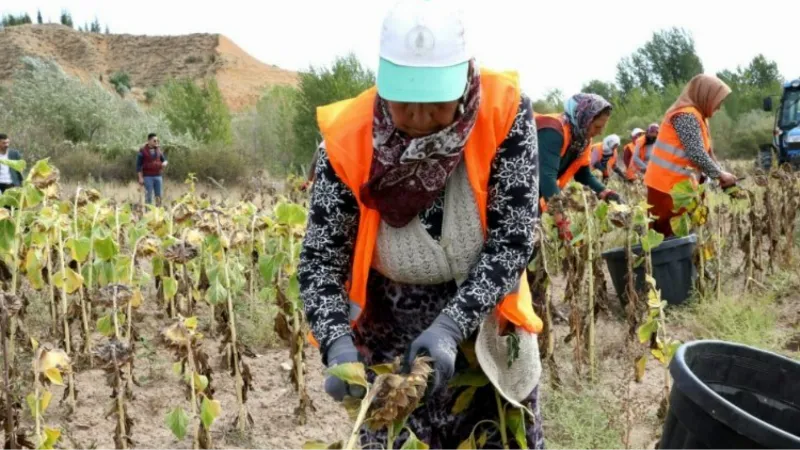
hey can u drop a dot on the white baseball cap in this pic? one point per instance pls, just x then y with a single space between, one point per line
423 53
636 132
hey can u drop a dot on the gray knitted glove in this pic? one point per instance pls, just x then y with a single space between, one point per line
342 351
440 342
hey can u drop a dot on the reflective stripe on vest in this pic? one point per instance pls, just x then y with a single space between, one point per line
347 131
669 164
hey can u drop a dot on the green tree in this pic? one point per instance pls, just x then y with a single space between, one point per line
197 110
95 26
553 102
319 86
668 58
121 82
39 19
750 84
608 91
107 30
66 18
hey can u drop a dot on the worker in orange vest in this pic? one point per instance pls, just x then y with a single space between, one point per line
683 149
628 150
421 224
643 149
564 150
604 157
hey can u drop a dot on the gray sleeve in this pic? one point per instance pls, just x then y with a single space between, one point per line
688 130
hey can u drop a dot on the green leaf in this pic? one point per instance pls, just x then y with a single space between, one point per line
639 368
267 268
413 443
177 420
515 420
79 248
601 213
464 399
177 368
671 349
31 197
683 194
290 214
105 326
170 287
468 444
200 382
217 293
158 266
7 234
651 240
469 378
105 248
382 369
352 373
51 436
681 225
293 291
659 355
646 331
16 164
70 280
122 267
31 401
33 269
209 411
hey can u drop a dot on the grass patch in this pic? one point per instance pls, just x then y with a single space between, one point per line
254 327
582 418
750 320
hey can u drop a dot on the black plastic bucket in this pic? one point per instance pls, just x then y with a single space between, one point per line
673 269
732 396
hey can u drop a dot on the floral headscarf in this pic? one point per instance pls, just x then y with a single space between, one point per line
581 110
408 174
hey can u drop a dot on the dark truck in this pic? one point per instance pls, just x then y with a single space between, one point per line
786 140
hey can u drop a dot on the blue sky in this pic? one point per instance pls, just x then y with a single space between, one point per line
555 44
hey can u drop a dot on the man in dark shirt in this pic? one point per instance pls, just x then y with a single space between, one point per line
150 162
8 177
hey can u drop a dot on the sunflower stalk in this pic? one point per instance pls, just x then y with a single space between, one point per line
65 312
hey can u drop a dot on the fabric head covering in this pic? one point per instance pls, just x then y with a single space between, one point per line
581 110
408 174
652 128
609 143
704 92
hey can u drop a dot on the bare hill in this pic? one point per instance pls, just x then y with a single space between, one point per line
150 60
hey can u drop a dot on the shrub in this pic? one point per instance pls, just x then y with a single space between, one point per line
268 130
225 165
48 103
121 82
321 86
193 59
199 111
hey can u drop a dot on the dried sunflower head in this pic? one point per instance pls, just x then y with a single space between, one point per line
181 253
114 354
398 395
183 212
181 333
210 220
105 295
148 247
87 196
43 180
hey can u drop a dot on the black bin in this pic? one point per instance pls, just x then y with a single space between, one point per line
728 395
673 269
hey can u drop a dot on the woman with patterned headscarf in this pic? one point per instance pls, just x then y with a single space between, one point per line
420 227
683 149
564 148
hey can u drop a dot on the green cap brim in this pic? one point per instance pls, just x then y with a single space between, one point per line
421 84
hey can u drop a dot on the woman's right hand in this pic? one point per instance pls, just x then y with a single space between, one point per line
726 180
340 352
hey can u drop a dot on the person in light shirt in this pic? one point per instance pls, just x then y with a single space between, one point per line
8 177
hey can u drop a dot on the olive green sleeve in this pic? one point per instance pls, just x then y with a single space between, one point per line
584 176
550 143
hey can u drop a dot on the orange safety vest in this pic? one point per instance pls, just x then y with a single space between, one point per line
640 158
597 157
669 164
559 123
346 128
627 153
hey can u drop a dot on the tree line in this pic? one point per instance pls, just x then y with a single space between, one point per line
10 20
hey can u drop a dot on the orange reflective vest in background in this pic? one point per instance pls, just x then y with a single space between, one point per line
559 123
669 164
347 131
597 158
627 153
640 158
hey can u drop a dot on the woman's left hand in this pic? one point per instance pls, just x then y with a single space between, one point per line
440 342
